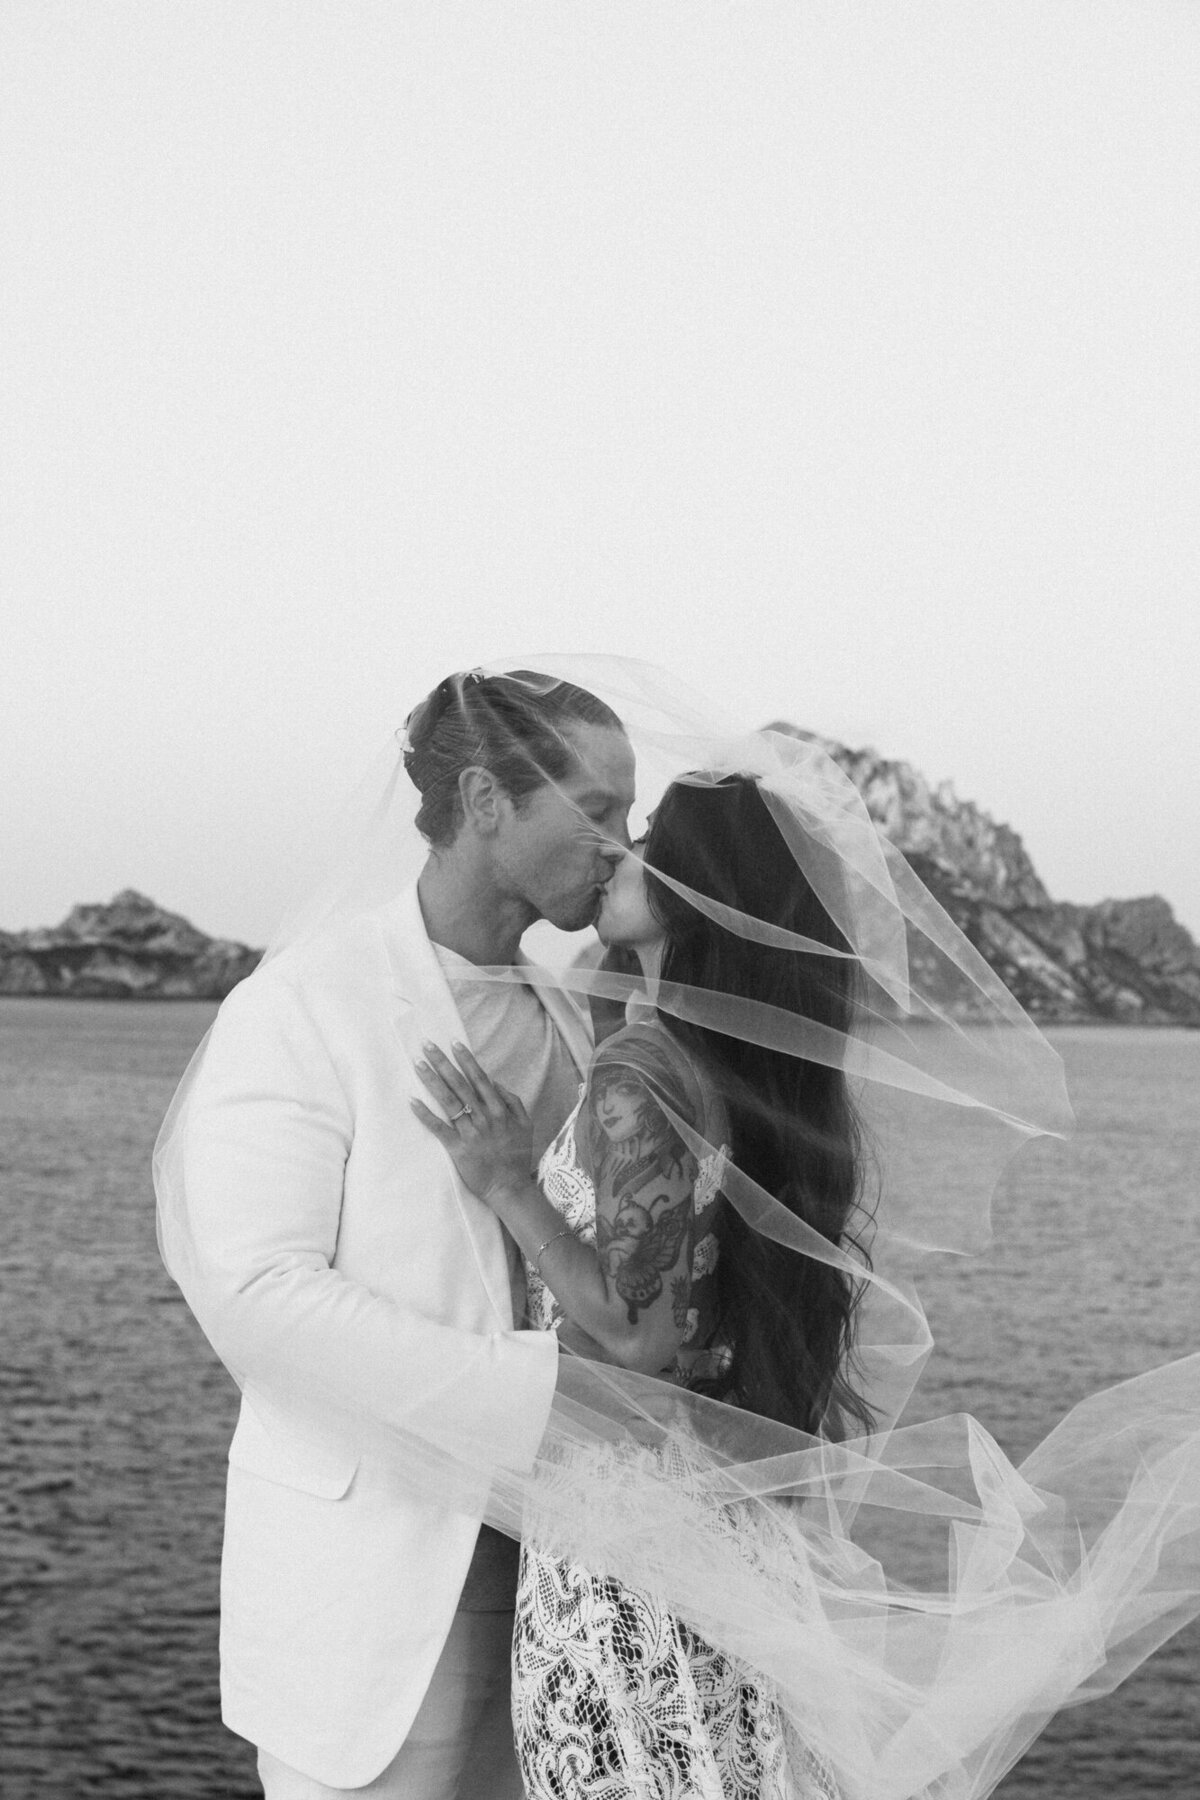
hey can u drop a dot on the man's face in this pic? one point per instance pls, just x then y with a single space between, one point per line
558 848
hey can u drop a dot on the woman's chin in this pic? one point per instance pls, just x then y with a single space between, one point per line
608 930
605 926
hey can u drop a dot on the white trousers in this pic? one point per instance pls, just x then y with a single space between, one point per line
460 1746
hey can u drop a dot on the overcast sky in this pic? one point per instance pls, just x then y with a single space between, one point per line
844 358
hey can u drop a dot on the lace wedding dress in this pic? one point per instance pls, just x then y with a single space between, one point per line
614 1698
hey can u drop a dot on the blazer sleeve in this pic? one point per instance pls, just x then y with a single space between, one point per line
250 1188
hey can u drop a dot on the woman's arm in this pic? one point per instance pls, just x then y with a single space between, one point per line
631 1292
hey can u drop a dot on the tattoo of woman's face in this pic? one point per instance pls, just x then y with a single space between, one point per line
619 1108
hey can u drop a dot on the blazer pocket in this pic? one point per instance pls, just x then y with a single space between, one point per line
280 1455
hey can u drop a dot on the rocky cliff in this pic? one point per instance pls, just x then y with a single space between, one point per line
1129 961
129 949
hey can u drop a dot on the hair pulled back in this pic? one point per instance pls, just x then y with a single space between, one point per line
512 725
788 1319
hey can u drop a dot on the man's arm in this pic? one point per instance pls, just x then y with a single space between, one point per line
250 1203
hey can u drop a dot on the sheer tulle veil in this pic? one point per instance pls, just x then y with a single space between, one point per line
920 1605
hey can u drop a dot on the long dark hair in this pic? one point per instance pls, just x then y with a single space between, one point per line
788 1319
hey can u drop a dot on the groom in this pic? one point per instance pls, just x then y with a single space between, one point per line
362 1297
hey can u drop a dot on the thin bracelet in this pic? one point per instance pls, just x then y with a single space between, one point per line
537 1261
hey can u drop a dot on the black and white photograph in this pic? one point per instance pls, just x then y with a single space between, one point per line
600 900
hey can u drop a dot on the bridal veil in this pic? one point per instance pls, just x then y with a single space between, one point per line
919 1605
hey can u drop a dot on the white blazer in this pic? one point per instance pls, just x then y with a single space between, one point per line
360 1293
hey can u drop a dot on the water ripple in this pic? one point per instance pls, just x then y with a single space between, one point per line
117 1417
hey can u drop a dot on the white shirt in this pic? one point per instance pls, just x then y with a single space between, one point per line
515 1040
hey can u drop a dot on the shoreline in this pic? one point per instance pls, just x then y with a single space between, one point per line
1099 1022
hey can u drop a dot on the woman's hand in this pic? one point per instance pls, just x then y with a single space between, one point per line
489 1137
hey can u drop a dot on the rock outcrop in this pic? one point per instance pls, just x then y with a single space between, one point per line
128 949
1128 961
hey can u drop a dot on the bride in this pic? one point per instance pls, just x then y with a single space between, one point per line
703 1609
629 1245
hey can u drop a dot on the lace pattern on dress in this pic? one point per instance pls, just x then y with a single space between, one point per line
616 1698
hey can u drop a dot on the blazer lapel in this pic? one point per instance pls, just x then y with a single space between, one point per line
424 1011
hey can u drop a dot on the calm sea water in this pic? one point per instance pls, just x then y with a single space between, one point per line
116 1417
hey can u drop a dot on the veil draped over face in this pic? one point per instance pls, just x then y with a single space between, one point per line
918 1604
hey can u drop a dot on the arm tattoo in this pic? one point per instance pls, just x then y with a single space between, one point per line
681 1293
636 1248
644 1186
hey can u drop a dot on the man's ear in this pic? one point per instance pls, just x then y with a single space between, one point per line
482 800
